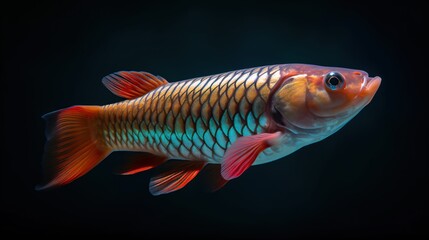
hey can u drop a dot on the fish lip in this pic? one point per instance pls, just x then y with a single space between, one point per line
373 83
372 79
370 88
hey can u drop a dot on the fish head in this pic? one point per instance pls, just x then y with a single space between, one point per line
322 99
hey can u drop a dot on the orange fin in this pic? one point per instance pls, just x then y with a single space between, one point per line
132 85
72 147
212 177
243 153
181 173
141 162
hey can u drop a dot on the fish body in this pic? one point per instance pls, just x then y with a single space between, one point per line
196 119
234 119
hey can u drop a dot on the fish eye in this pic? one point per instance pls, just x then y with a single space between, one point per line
334 81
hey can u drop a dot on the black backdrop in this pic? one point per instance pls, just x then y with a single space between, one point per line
367 180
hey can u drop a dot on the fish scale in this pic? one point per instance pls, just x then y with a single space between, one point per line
195 119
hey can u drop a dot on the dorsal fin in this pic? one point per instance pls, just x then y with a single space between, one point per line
132 84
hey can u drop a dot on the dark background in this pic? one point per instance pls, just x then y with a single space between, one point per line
367 180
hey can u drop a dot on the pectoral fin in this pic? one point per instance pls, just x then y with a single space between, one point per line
243 153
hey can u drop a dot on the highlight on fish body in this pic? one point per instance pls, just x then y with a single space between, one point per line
232 121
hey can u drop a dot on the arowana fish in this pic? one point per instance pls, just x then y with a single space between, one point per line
236 119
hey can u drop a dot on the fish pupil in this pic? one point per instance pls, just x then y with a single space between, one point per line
334 81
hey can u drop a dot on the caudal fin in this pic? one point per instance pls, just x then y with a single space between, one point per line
73 145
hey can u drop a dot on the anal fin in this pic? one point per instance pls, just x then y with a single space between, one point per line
180 173
141 162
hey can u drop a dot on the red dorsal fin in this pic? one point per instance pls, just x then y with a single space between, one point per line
243 153
180 174
141 162
132 84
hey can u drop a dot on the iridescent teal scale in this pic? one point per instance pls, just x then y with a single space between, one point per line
195 119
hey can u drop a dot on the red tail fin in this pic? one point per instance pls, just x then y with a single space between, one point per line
73 147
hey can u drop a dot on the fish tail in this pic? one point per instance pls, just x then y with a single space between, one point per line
74 145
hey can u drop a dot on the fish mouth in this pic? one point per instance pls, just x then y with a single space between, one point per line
370 88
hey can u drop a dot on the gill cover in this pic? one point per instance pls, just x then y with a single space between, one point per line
290 101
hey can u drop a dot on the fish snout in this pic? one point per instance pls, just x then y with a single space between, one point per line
371 87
